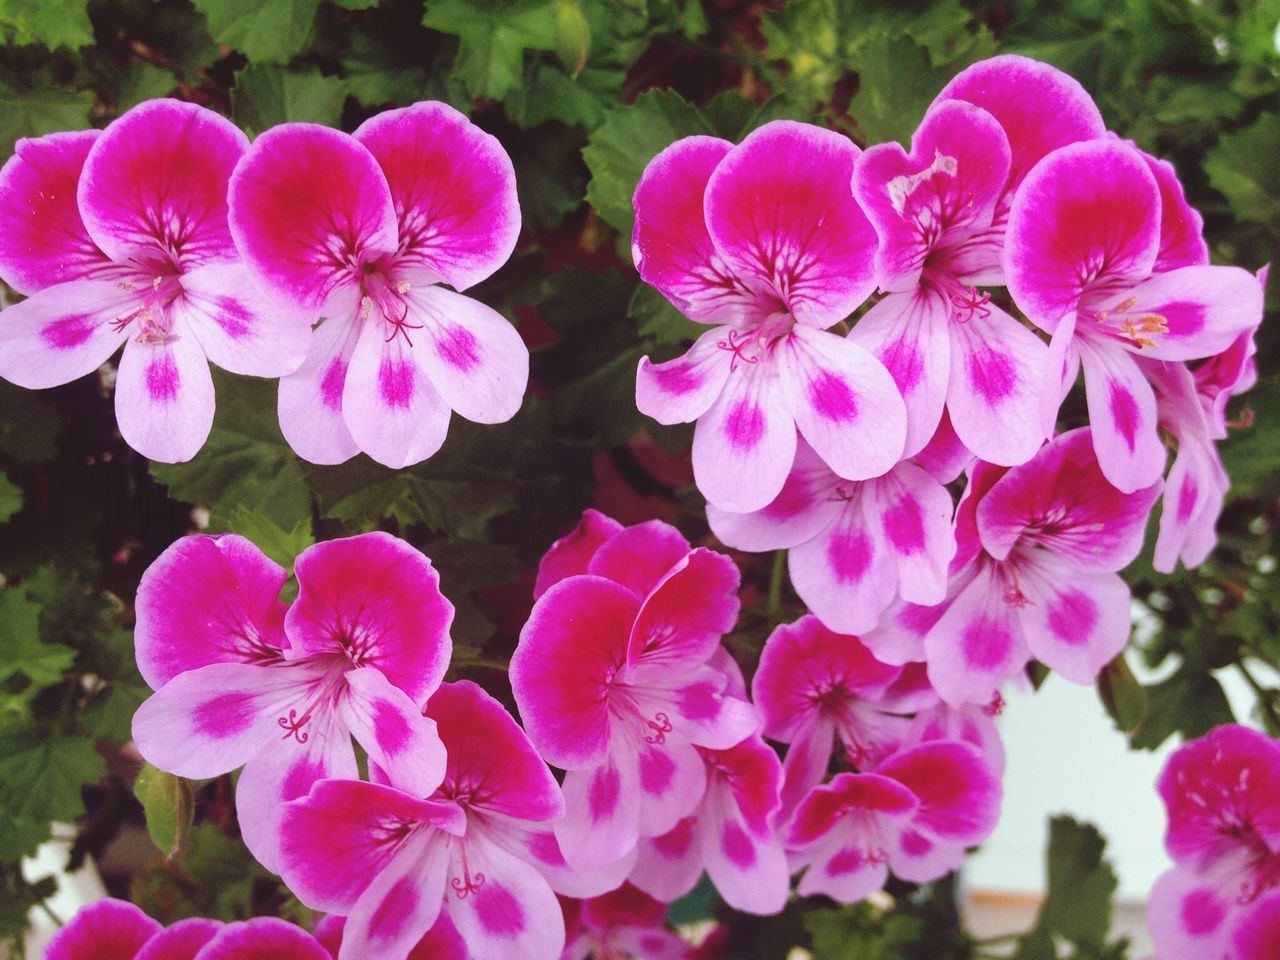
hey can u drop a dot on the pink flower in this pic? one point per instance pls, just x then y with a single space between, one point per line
852 545
239 680
615 680
914 814
731 835
362 230
122 238
1085 235
626 924
1035 575
262 938
1222 793
390 861
106 930
765 243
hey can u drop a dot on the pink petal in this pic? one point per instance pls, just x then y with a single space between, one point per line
542 849
669 866
1257 936
1194 494
308 206
454 190
945 456
239 326
914 514
695 699
844 401
473 357
899 637
683 389
1040 107
779 214
164 396
672 780
688 611
182 941
1084 219
263 938
908 333
602 813
511 915
486 746
1188 916
154 185
749 432
572 553
806 763
1076 622
972 724
843 865
45 241
106 930
393 731
922 859
824 809
401 904
751 775
1181 226
63 333
1122 413
977 642
746 865
641 556
574 642
1062 369
311 397
959 794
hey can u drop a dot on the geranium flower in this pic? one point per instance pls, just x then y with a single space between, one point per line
765 243
852 546
106 930
1084 239
121 238
240 680
626 923
363 230
390 861
615 683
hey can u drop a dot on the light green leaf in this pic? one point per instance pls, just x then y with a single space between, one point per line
266 95
656 319
54 23
265 31
169 806
40 781
492 39
281 545
21 649
1243 168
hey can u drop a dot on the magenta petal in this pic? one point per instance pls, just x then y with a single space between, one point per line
748 867
683 389
394 733
959 794
921 859
781 214
669 866
208 600
263 938
1189 916
640 557
822 810
308 206
182 941
1122 414
164 396
672 780
154 186
106 930
311 398
690 609
844 867
914 513
1194 494
945 456
454 190
601 824
377 599
1181 226
805 765
572 553
1257 935
44 241
1077 622
542 849
401 904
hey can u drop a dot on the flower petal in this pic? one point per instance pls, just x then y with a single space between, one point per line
311 397
976 643
672 780
945 456
1181 226
1122 414
394 733
669 866
572 553
164 396
921 859
602 813
1194 494
683 389
641 556
1189 916
63 333
401 904
691 608
263 938
182 941
959 794
914 511
106 930
542 849
747 866
1257 935
1077 622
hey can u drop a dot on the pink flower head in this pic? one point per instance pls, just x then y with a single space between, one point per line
731 835
1084 237
106 930
914 814
616 682
765 243
262 938
240 681
390 861
852 545
943 340
121 238
1035 575
363 230
626 924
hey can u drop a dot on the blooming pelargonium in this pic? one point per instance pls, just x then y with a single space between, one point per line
852 546
1035 576
364 230
625 923
240 679
616 683
1083 262
764 242
121 237
390 861
1222 794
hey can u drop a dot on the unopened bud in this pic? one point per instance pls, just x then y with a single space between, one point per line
573 36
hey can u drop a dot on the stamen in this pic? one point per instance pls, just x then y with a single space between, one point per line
737 346
294 724
972 303
661 725
996 706
467 883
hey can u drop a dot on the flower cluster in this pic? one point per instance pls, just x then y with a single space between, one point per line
836 439
168 233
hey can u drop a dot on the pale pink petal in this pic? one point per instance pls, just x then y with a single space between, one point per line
826 809
747 866
64 332
377 599
641 556
240 326
154 185
959 795
672 779
1061 370
1194 494
781 214
400 904
899 637
743 447
45 242
472 355
542 849
973 724
1122 414
843 864
683 389
669 866
310 403
688 611
922 859
182 941
1181 226
1189 916
1076 622
395 735
309 205
945 456
106 930
695 699
997 376
976 644
806 763
845 574
1257 934
908 333
164 396
914 515
572 553
602 813
263 938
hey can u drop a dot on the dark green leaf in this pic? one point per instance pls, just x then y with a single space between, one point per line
265 31
657 320
40 781
1190 702
1242 167
1081 884
40 110
266 95
493 38
143 81
1122 695
21 649
10 499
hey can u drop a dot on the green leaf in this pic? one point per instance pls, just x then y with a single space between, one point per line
29 426
493 38
1081 884
143 81
54 23
1122 695
281 545
40 110
10 499
623 145
266 95
1242 167
1191 702
170 807
40 782
657 320
21 649
265 31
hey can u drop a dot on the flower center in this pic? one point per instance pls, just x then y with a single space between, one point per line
387 298
1143 330
151 310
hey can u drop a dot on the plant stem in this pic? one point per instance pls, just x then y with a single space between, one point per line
1265 705
774 607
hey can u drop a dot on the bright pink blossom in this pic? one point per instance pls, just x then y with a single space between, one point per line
1035 576
1084 239
626 924
240 680
852 546
122 238
765 243
616 683
106 930
363 230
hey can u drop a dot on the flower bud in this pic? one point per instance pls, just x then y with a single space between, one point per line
573 36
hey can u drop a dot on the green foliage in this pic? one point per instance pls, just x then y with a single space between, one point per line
170 808
493 38
266 95
22 652
10 498
40 781
265 31
53 23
